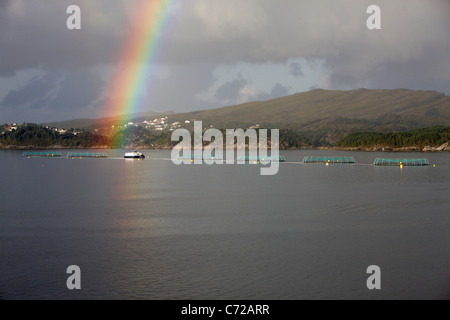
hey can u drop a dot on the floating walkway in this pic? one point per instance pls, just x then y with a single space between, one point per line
334 160
41 154
261 159
401 162
74 155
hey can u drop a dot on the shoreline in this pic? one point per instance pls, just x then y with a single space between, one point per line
427 149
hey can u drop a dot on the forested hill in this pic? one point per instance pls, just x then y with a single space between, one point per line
419 139
35 136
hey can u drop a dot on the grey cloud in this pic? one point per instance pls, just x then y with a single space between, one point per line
35 88
279 91
34 35
413 32
78 90
4 4
296 69
176 92
179 91
411 49
229 31
231 90
56 95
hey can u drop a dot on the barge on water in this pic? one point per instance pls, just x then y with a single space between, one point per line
134 155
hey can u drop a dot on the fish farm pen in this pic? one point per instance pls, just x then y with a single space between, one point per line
344 160
41 154
74 155
201 157
259 158
401 162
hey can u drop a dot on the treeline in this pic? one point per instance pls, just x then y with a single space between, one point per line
141 137
33 135
38 136
432 136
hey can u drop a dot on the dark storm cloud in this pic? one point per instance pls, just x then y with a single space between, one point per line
56 90
33 34
4 5
411 49
36 88
413 33
78 89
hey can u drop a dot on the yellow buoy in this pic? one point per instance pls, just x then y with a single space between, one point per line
434 166
328 164
401 166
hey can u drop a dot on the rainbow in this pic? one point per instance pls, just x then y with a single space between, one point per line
139 51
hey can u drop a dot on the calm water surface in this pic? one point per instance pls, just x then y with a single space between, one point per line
152 230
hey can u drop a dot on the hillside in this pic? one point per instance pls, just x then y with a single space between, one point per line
312 107
331 114
104 122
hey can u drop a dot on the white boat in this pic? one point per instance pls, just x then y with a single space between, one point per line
134 155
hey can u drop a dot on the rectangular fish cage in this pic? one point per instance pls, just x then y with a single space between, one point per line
259 158
343 160
41 154
401 162
74 155
202 157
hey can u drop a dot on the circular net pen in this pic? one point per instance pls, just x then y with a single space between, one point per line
331 160
401 162
41 154
95 155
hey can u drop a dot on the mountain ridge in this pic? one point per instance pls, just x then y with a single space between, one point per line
337 113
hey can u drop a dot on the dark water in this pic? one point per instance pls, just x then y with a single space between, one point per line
153 230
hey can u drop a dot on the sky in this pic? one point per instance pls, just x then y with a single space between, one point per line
214 53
